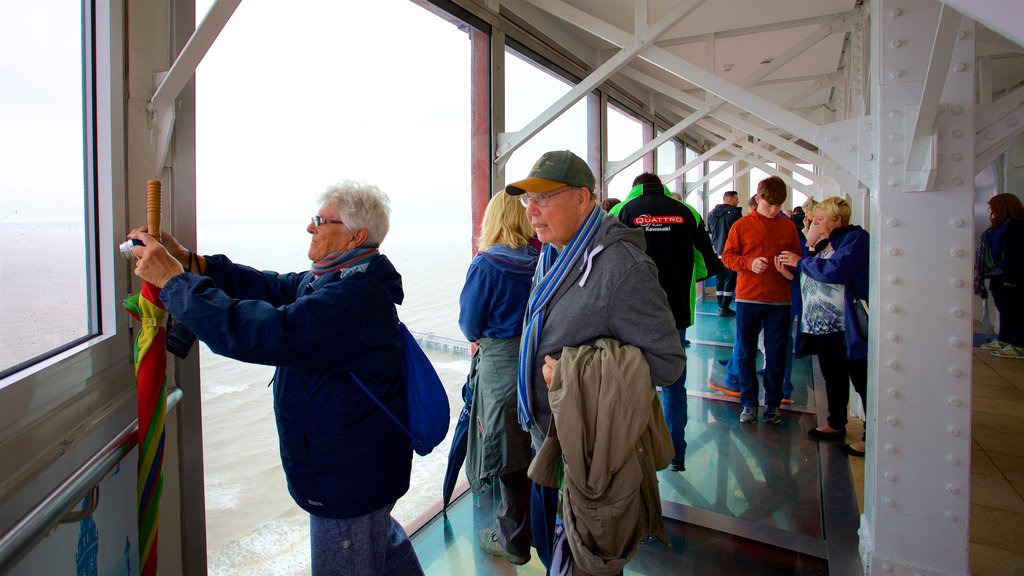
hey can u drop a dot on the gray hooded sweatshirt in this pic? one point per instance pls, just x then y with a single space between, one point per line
612 291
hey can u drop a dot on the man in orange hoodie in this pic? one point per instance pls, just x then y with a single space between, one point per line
763 297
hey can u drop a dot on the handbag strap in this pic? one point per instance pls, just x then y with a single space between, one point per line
382 407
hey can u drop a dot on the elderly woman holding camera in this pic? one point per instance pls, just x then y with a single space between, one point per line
345 461
832 282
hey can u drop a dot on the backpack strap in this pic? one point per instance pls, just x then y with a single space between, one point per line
381 405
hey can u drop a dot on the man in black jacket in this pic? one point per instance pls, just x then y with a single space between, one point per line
674 232
720 220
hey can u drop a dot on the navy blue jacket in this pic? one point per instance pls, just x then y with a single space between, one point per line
493 300
848 266
343 457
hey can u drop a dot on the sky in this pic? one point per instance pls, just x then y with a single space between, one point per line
41 176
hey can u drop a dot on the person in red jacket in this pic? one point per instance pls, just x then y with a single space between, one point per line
763 297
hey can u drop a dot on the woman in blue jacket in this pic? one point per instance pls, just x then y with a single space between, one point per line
832 282
346 462
491 310
1002 264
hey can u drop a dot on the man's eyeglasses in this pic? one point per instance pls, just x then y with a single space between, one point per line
319 221
541 200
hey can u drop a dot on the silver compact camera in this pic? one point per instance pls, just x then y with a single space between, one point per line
126 248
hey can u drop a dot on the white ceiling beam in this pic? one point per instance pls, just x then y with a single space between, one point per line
724 89
777 81
785 25
840 24
1004 16
808 190
169 84
819 83
922 139
700 159
1000 124
613 168
759 150
509 142
772 156
735 176
691 186
722 116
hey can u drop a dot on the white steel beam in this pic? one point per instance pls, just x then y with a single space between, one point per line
917 496
510 142
724 89
1003 16
700 159
935 79
726 117
999 125
829 27
170 83
819 83
785 25
808 190
690 186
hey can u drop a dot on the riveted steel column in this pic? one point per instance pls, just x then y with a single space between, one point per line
917 489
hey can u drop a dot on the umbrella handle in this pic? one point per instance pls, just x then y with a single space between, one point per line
153 208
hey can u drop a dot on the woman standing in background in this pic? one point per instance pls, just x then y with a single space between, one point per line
491 310
1002 262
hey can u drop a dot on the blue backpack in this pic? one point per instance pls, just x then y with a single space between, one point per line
427 400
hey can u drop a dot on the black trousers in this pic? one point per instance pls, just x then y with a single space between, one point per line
839 371
1010 303
725 287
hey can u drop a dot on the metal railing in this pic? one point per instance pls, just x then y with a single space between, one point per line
35 525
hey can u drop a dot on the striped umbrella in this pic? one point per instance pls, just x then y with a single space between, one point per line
150 373
150 370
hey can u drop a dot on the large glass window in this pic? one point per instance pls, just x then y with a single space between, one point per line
529 91
720 181
277 122
693 174
44 265
799 197
625 135
755 176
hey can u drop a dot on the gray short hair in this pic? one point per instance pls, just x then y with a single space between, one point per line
360 205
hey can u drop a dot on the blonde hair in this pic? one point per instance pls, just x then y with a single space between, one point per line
836 207
809 205
505 223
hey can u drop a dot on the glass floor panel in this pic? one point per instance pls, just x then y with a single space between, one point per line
448 546
754 498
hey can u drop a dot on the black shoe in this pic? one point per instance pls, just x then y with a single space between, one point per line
726 312
821 435
677 466
850 451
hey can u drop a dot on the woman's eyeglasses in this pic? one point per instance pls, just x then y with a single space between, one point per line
319 221
541 200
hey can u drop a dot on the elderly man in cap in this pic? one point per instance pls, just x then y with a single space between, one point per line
593 280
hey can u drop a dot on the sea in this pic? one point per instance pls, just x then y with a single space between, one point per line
253 526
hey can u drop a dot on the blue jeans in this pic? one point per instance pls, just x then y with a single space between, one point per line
732 372
369 544
673 402
776 321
